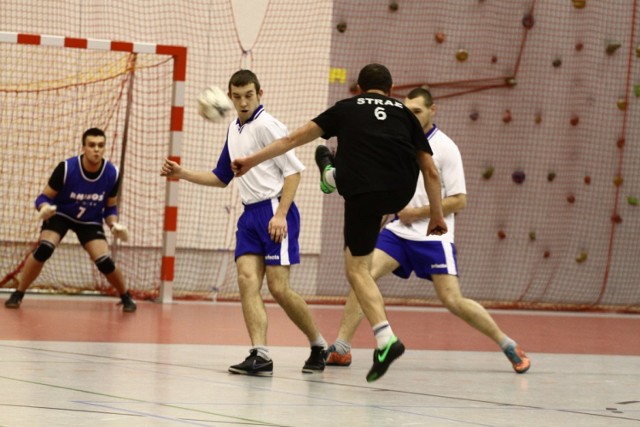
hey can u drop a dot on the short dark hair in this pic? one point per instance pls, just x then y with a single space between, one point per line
243 78
375 76
92 132
423 93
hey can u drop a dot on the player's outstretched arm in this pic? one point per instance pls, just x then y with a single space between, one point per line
298 137
437 225
171 169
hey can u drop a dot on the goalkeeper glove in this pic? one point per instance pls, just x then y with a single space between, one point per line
120 231
47 211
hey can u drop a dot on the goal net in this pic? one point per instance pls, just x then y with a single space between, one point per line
51 90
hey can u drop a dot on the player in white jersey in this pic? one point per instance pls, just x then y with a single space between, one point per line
80 194
403 246
268 229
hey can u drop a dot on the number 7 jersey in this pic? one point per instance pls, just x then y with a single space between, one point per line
83 198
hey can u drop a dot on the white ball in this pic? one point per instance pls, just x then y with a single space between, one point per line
213 104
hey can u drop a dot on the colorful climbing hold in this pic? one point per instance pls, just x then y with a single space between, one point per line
528 21
538 118
579 4
582 257
518 176
488 172
462 55
612 47
622 104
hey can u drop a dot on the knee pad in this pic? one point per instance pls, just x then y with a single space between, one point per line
105 264
44 250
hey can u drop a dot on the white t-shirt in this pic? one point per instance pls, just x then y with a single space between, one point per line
265 180
448 160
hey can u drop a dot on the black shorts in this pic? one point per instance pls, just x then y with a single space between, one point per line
85 232
363 214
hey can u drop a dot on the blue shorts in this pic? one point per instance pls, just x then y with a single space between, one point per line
252 235
424 257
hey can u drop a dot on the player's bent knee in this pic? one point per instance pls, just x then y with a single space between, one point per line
105 265
44 251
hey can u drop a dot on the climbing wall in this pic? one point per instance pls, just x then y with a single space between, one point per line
540 97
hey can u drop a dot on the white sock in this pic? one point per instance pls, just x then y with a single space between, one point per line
342 347
319 342
507 342
263 352
383 333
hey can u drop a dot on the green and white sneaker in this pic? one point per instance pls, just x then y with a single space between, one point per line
324 160
382 358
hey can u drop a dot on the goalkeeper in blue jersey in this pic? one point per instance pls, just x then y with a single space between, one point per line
80 194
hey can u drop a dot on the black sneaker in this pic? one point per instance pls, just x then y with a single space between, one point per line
324 160
128 306
315 362
14 300
253 365
382 358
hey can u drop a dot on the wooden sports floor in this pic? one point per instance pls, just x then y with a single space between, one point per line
80 361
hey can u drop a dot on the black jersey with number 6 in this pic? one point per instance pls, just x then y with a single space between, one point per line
377 142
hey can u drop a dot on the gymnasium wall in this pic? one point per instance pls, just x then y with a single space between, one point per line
546 88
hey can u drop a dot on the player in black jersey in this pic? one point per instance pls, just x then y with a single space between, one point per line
80 194
381 149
